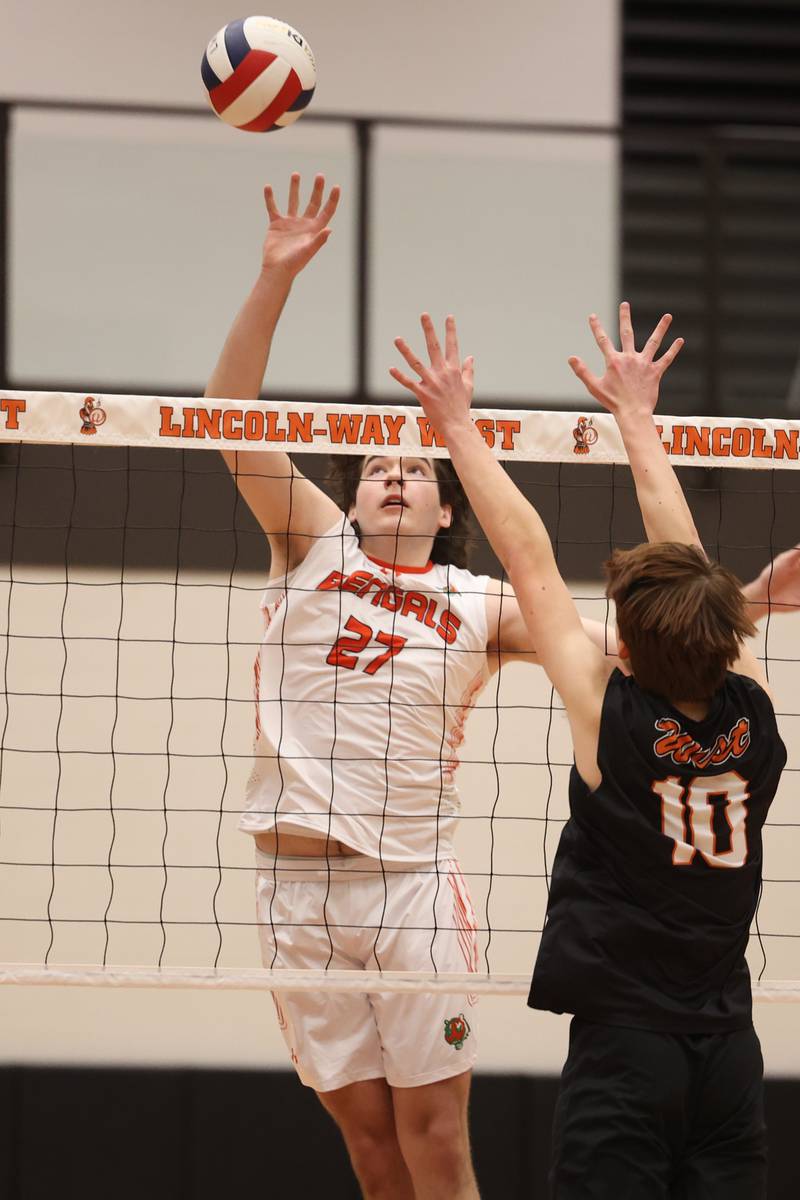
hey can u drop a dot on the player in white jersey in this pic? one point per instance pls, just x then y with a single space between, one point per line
377 642
408 648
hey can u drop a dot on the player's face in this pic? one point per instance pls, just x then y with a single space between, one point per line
399 496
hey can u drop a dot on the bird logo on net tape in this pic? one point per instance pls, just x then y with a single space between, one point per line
92 415
585 435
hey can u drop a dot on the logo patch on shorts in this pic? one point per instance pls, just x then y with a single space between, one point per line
456 1031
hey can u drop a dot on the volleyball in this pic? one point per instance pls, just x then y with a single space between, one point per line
259 73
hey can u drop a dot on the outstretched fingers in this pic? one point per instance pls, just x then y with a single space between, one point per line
431 340
415 363
601 337
652 344
315 210
669 356
626 328
273 212
451 350
331 204
315 199
294 194
403 379
587 378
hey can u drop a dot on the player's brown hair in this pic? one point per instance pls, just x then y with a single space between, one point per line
451 545
682 617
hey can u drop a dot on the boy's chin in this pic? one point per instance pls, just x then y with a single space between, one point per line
388 519
398 529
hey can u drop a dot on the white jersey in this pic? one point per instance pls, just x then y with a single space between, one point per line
364 680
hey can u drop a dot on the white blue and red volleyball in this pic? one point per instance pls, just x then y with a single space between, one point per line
260 74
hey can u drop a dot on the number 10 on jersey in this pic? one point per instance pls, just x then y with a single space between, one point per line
688 813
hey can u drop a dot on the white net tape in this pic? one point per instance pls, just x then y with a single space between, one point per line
546 437
448 982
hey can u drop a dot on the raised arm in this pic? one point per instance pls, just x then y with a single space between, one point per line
578 669
290 509
629 389
510 641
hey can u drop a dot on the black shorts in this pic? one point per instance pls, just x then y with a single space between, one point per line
649 1116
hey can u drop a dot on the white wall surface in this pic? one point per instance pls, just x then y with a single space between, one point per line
544 60
133 240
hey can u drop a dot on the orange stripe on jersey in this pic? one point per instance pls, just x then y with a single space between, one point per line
257 690
465 920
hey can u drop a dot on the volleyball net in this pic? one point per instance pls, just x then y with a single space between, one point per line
130 584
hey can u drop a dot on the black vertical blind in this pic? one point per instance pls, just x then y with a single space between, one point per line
711 192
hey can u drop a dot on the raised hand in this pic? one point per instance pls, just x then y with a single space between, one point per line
292 238
777 587
632 377
444 388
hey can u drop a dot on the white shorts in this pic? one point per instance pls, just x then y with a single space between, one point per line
409 924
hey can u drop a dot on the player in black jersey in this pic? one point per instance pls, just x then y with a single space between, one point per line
658 870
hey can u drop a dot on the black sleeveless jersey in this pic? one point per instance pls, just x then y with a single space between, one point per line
658 870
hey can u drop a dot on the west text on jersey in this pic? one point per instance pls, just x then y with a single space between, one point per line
682 748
